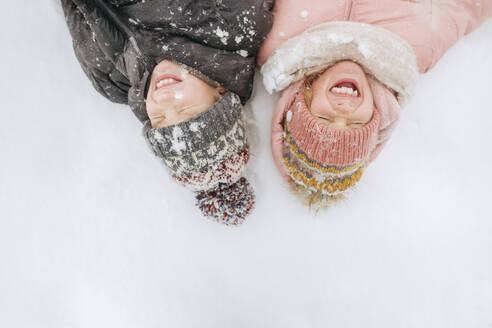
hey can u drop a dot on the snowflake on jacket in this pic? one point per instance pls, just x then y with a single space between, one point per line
219 38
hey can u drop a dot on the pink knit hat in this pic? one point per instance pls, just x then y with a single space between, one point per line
326 160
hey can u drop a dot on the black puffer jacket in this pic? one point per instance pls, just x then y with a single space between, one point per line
119 42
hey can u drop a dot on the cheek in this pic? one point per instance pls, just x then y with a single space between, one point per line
199 93
163 96
184 98
185 93
151 107
320 105
366 112
177 97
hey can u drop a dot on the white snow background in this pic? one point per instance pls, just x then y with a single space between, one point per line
93 233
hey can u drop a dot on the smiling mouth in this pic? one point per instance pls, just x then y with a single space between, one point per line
167 80
345 88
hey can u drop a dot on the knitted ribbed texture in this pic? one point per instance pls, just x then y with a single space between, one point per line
208 154
205 140
328 146
227 171
201 129
324 160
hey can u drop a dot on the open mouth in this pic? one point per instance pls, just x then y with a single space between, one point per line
346 88
167 80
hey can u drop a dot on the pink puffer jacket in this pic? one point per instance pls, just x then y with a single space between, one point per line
430 26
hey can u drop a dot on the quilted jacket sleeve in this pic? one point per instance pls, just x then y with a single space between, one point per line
453 19
97 45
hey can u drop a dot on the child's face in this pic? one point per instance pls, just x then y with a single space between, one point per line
175 96
342 98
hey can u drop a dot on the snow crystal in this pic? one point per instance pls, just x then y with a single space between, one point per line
165 47
195 126
243 53
223 35
238 38
304 13
184 72
288 116
342 39
177 132
235 101
178 145
158 136
299 107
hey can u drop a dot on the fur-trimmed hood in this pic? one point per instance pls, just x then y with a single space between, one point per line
380 52
118 42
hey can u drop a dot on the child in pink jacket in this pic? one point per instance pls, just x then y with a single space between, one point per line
345 69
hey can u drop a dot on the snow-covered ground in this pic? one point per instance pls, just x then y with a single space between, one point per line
94 234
